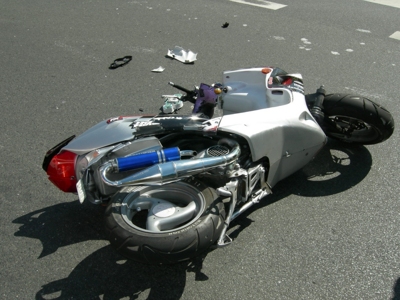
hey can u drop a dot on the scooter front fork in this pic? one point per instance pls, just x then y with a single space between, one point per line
231 190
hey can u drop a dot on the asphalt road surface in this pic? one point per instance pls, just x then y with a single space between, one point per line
330 231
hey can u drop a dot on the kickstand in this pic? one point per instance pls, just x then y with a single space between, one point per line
227 240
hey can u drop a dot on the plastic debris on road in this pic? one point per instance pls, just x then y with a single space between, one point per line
120 62
172 103
158 70
182 55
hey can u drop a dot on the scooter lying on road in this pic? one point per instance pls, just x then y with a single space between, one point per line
173 183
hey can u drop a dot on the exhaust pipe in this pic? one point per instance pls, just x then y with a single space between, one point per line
172 170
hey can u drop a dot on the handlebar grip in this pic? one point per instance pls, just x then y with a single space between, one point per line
320 97
180 88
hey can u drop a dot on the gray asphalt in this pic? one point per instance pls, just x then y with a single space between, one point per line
329 231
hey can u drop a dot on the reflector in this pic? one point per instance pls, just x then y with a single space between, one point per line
266 71
61 171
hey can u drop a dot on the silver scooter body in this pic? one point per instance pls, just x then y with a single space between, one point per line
273 118
264 133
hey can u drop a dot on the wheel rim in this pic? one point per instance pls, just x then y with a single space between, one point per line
355 130
167 208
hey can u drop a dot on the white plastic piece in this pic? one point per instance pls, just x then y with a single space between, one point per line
158 70
172 103
182 55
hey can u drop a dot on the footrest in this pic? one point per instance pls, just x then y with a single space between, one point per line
226 242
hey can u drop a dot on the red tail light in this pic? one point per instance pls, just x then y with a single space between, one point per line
61 171
287 81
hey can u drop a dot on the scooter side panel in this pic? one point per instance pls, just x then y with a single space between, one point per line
287 135
120 129
105 133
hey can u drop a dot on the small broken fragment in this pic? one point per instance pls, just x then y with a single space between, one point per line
172 103
182 55
225 25
119 62
158 70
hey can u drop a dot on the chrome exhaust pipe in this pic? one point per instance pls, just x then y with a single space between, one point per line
167 172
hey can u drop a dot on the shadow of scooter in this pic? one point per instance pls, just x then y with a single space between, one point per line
61 225
106 275
337 168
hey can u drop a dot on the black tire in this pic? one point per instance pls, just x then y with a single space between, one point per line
151 234
368 122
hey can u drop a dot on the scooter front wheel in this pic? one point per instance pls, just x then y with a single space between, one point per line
164 224
357 119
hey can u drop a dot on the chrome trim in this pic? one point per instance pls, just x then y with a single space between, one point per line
171 171
190 153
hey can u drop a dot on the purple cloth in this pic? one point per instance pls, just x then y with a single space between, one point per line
206 95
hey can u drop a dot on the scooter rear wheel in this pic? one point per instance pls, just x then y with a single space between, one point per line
361 120
164 224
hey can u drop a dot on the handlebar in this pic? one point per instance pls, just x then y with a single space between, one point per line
190 95
180 88
204 97
320 95
317 109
